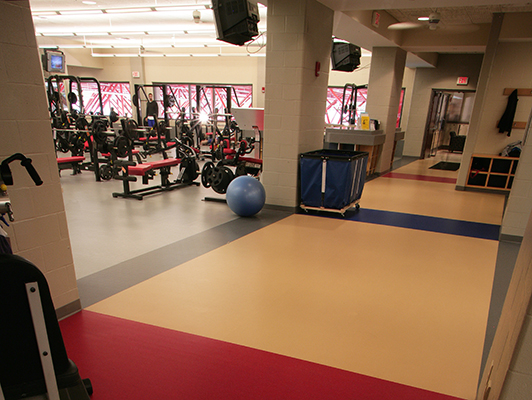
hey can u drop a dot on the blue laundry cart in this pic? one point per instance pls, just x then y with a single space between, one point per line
332 180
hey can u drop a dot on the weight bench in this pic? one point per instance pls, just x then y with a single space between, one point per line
73 163
135 153
34 362
252 165
147 171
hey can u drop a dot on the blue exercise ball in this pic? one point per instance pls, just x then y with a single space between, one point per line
245 196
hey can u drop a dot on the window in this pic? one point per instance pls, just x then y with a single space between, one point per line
333 112
211 97
116 95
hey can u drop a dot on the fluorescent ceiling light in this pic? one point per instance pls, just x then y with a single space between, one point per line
179 8
153 55
76 46
56 34
43 13
90 3
423 19
80 12
127 10
91 33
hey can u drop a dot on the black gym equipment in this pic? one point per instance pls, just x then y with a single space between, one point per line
220 175
114 145
34 358
168 100
349 103
188 171
5 170
73 132
185 159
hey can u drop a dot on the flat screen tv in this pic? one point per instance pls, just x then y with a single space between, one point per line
54 61
345 56
236 20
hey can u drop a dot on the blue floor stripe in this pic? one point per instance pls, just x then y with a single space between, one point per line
421 222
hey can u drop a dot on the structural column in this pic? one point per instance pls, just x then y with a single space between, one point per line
299 37
384 93
40 232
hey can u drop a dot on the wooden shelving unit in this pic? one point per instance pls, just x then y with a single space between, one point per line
492 172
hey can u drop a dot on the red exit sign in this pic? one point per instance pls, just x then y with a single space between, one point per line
462 80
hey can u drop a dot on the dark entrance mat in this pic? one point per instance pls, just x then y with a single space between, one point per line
448 166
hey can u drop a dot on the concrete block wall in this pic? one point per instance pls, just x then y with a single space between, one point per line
518 383
299 35
519 204
384 92
40 231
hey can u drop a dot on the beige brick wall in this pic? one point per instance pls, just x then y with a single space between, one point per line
384 92
299 35
40 231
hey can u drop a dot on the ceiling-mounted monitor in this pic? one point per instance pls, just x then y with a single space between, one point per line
53 61
345 56
236 20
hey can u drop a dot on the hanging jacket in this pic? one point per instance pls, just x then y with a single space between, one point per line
507 119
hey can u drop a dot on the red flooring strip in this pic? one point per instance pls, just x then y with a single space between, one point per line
419 177
134 361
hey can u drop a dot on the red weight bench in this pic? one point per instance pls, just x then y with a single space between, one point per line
73 163
147 171
133 152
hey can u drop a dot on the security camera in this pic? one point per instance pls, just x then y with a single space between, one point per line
197 16
434 18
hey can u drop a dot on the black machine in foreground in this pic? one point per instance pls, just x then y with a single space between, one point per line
34 358
34 362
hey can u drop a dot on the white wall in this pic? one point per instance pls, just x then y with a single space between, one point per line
512 69
359 76
408 84
444 76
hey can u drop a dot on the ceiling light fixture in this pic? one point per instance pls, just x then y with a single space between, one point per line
57 34
90 3
177 55
44 13
127 10
79 12
179 8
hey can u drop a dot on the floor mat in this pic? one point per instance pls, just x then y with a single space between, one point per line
447 166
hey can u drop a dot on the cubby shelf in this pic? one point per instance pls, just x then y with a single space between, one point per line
492 172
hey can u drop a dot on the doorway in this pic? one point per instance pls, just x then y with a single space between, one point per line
448 116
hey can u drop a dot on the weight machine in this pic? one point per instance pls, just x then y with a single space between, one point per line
349 104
